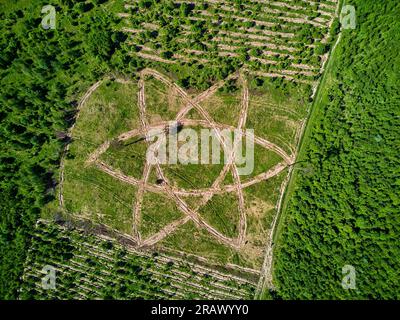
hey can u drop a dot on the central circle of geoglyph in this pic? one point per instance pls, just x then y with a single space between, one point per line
177 194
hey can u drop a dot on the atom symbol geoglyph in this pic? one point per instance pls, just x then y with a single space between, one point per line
177 194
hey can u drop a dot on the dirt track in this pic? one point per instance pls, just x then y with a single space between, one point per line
174 193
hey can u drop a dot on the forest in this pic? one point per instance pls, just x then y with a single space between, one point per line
346 210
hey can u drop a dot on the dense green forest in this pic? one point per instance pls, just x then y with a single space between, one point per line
346 211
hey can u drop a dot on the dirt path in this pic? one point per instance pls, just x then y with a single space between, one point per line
94 156
194 192
229 167
147 166
194 215
192 122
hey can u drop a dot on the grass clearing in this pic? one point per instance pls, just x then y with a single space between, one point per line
113 110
